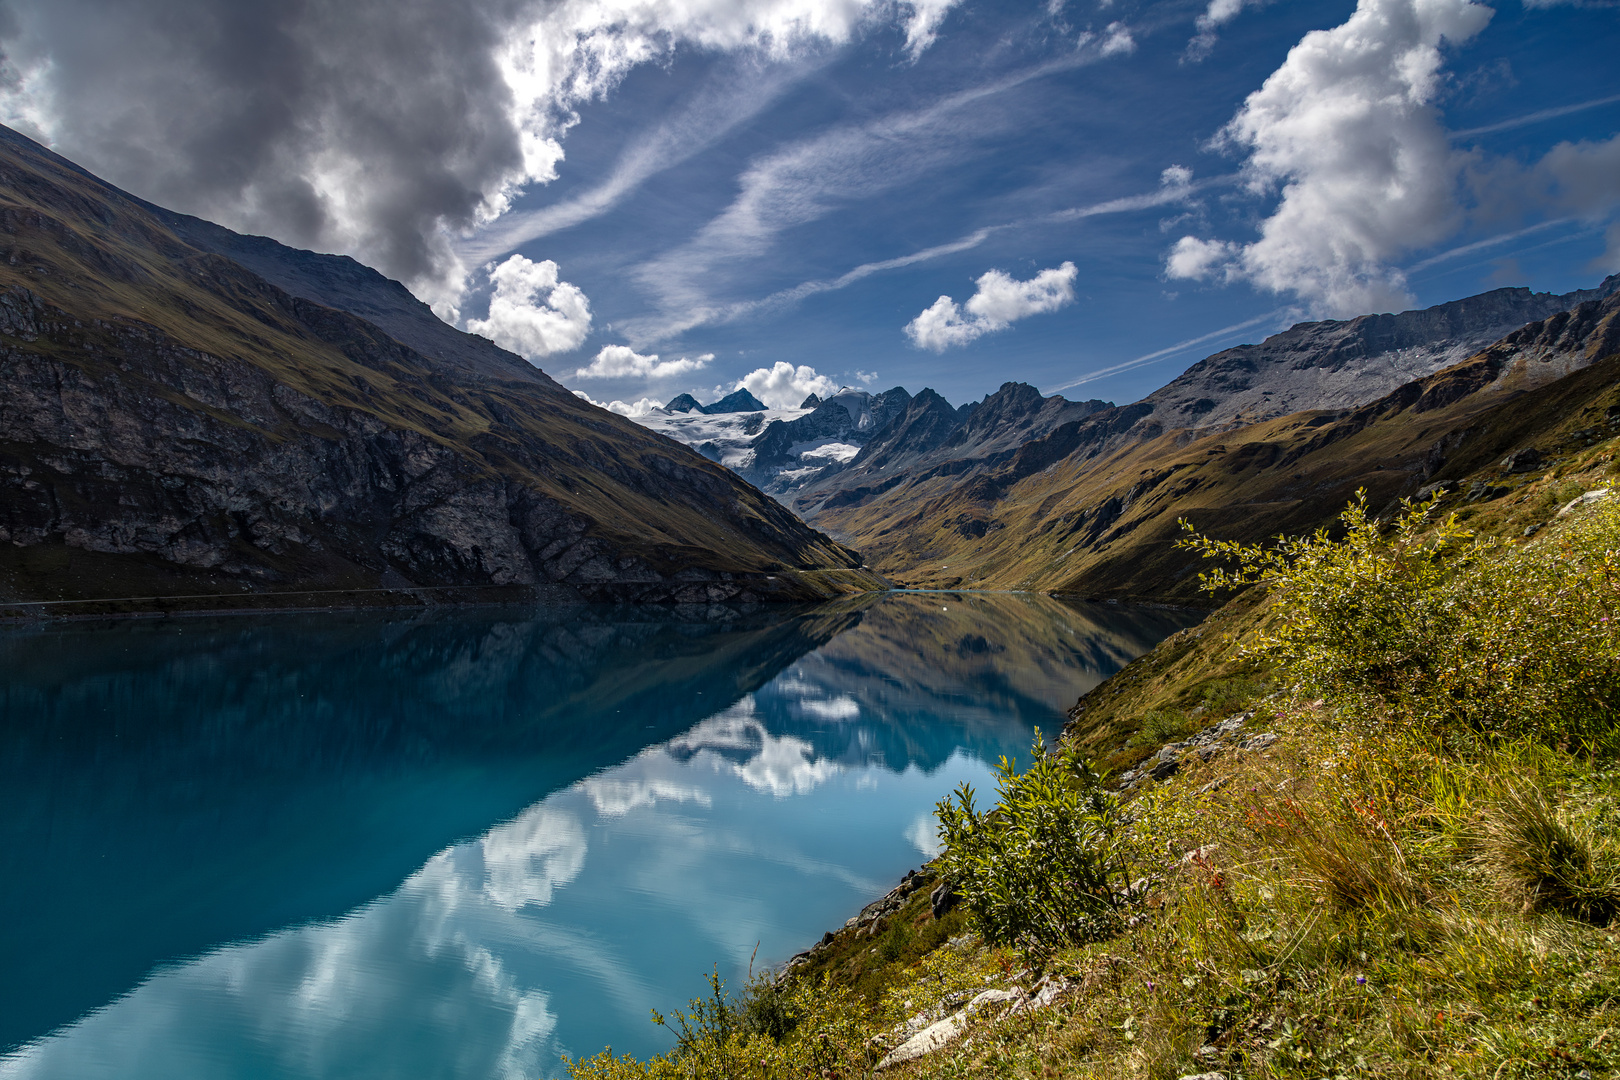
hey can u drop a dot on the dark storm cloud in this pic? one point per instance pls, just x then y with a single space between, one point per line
366 126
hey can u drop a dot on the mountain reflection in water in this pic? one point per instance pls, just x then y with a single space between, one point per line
459 845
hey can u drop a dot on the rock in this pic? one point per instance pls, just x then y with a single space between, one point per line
826 939
1479 489
1522 461
1200 854
926 1041
1259 742
943 899
1165 769
1205 1076
946 1031
1583 500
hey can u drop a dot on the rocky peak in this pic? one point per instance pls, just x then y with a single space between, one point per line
927 422
736 401
683 403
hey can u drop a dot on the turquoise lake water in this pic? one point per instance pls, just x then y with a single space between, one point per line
458 845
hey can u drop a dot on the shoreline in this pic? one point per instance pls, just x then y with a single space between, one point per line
796 587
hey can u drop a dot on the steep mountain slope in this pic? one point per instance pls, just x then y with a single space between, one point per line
176 422
931 440
1089 511
1340 364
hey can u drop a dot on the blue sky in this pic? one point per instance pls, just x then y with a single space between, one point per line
1105 192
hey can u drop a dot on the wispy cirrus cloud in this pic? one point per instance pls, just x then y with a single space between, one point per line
740 92
1271 317
1177 187
809 179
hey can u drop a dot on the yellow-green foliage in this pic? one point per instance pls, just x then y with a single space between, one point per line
1443 631
1417 879
1053 822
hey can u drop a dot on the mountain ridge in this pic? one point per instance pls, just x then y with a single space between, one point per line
1089 511
175 422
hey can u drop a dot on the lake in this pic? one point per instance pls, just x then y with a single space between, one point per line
459 844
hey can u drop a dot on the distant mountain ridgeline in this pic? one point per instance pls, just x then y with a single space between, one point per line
1083 498
188 411
789 452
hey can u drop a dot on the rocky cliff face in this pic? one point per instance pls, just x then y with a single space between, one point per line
930 439
175 421
1340 364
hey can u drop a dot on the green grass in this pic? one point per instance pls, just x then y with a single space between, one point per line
1398 886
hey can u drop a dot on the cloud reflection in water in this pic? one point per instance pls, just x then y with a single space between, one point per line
560 928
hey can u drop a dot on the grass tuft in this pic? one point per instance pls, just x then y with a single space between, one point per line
1545 863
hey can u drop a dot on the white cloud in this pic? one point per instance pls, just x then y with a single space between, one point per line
1176 176
1198 259
337 144
1118 42
783 386
923 25
633 410
999 301
531 312
623 362
1219 13
1347 126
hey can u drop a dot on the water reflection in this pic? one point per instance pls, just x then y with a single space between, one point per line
302 807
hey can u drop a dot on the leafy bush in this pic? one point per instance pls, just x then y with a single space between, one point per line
1160 726
1046 868
1423 622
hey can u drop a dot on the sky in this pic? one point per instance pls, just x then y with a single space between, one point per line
649 197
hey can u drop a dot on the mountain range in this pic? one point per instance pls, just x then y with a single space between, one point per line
196 418
191 412
1022 490
1089 505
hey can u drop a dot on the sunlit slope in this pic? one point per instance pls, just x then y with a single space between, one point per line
173 422
1081 512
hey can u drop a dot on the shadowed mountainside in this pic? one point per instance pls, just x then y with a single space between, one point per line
188 411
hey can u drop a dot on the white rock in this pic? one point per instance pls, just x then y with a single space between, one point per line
1584 500
926 1041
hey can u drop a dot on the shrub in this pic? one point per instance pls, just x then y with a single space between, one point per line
1160 726
1415 622
1046 868
1357 618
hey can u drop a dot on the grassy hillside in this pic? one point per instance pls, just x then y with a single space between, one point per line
1081 512
1391 852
